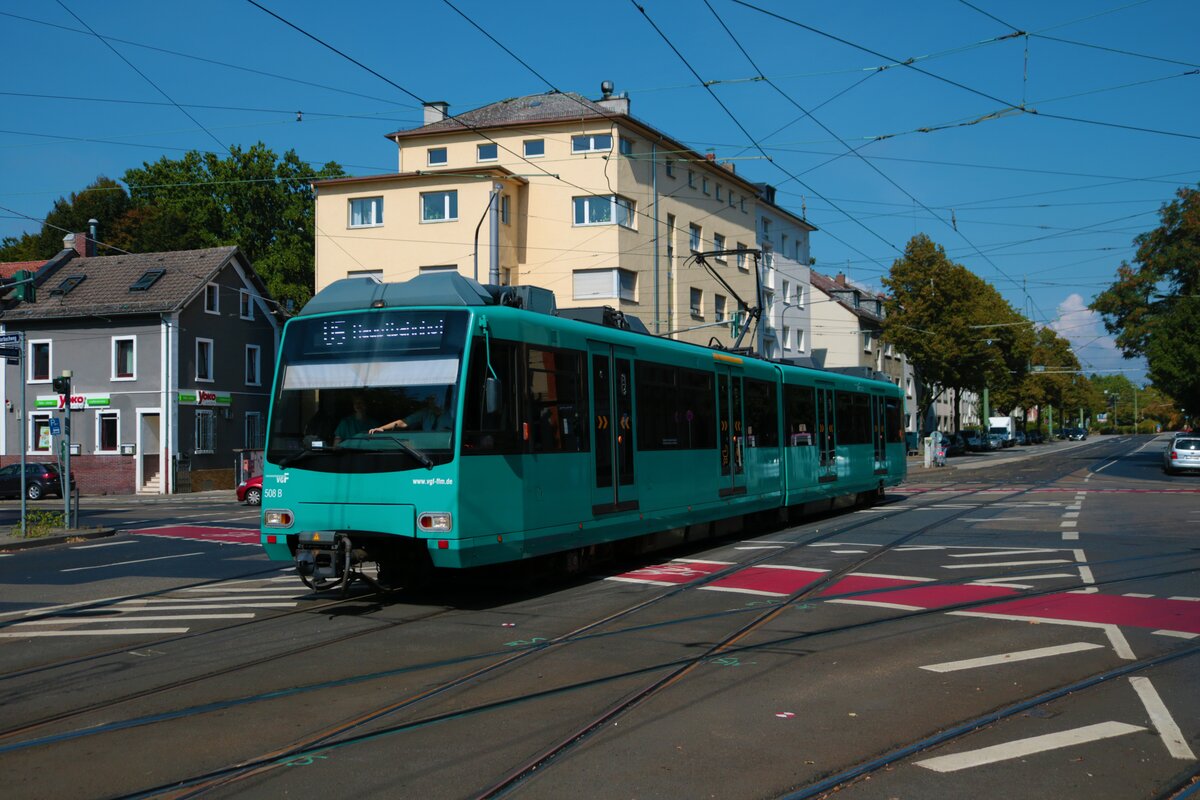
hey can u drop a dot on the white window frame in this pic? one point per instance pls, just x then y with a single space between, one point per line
446 197
257 441
373 220
581 209
212 298
719 244
257 365
590 145
116 376
718 191
209 361
525 148
623 284
29 377
704 184
100 415
429 154
625 145
868 341
719 305
742 260
481 158
32 441
365 273
692 178
787 292
211 445
504 209
669 165
695 237
245 304
696 302
800 339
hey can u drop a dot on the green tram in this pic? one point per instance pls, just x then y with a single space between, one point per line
442 423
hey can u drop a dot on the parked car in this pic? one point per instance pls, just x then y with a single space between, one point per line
996 441
956 444
974 440
1181 453
1022 439
1075 434
40 480
250 491
1035 437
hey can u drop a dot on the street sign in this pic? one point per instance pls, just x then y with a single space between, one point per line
55 426
11 338
10 352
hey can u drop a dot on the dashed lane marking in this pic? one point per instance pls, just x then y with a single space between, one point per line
1006 563
127 563
108 632
102 544
1161 719
1028 747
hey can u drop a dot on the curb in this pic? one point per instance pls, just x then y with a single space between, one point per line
17 543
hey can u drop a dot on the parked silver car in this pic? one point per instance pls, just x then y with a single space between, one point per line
1182 453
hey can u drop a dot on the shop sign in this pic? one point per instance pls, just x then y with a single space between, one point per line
79 402
204 397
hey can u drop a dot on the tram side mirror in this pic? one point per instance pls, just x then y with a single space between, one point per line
491 395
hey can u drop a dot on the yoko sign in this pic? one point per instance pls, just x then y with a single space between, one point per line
79 402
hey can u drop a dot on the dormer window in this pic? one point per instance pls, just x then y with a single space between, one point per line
147 280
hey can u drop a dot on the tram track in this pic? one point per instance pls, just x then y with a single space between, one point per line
315 744
345 734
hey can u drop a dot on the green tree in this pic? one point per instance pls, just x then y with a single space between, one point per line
104 200
1153 306
954 327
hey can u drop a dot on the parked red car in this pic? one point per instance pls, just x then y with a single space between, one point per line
250 491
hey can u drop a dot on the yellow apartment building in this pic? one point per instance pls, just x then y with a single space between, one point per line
556 191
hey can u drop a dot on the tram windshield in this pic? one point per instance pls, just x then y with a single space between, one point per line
373 391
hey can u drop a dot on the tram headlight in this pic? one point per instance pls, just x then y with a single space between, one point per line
277 518
435 522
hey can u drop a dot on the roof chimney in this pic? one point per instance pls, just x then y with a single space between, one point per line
616 103
840 279
436 111
93 223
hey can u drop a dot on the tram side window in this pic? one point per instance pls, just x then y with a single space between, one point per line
557 413
893 418
762 420
800 415
853 417
499 431
675 408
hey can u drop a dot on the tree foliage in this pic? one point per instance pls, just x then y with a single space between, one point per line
955 328
1154 304
252 198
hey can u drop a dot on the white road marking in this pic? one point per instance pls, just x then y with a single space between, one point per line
1117 639
844 544
997 519
760 547
877 604
1085 573
999 553
701 561
125 563
253 602
1008 658
640 580
219 589
1006 563
1028 747
1136 594
1071 515
126 619
1070 536
1039 577
102 544
742 591
1161 719
847 552
1106 466
1177 634
896 577
1188 599
110 632
1075 507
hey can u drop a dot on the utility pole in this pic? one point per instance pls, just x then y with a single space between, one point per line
63 387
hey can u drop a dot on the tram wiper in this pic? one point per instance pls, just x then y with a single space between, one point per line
423 459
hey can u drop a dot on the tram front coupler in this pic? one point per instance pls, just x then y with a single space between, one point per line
326 560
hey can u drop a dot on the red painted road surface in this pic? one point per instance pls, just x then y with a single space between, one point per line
202 534
1181 616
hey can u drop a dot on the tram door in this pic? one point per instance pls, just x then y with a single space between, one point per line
879 433
731 430
826 438
612 399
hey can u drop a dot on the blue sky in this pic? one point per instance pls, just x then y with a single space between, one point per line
1042 202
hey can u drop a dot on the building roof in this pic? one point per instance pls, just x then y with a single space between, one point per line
534 108
105 281
844 293
557 107
10 268
467 174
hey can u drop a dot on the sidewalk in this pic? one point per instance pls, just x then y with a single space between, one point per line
995 458
14 541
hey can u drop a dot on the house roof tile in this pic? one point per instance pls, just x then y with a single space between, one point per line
104 290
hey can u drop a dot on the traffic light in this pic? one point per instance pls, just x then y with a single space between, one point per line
26 292
62 385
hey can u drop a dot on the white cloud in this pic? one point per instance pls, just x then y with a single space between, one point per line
1095 349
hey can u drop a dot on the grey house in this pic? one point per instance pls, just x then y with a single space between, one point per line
171 356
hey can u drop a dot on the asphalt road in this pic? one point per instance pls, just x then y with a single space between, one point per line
1026 624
